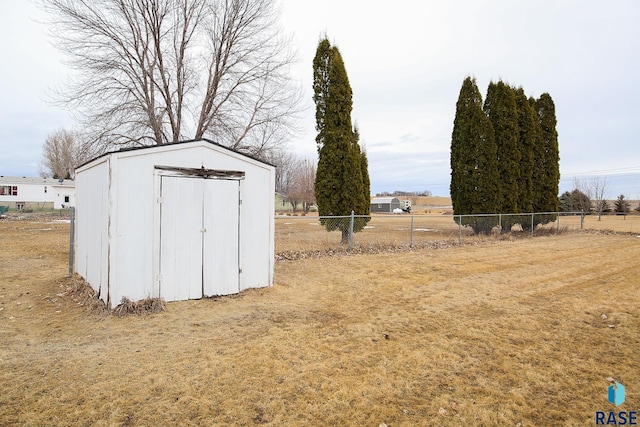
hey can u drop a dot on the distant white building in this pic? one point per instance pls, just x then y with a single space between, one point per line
384 204
37 193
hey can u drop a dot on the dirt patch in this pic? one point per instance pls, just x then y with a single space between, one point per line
343 250
62 216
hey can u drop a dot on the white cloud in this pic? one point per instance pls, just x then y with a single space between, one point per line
31 68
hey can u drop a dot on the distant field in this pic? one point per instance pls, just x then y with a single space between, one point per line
521 332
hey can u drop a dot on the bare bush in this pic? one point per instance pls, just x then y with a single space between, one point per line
145 306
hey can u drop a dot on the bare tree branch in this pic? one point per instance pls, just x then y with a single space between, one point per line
156 71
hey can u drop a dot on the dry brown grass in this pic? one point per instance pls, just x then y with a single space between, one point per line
492 332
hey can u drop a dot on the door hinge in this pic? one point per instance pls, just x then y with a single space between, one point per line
158 277
160 199
239 271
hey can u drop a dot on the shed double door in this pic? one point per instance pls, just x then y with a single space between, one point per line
199 237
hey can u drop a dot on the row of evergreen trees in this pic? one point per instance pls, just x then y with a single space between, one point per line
504 156
342 178
576 201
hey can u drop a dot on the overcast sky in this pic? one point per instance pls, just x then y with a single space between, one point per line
406 61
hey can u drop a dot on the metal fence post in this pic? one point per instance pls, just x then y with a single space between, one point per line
351 231
557 222
532 214
460 229
411 236
582 220
72 232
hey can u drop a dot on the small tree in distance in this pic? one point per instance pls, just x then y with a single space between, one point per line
622 205
575 201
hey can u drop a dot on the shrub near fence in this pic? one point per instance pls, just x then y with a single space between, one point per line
306 233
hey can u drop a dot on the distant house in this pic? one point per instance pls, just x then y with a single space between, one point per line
37 193
282 203
384 204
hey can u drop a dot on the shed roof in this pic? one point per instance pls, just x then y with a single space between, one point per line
147 147
384 200
36 181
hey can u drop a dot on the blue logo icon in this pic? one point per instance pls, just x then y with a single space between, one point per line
616 393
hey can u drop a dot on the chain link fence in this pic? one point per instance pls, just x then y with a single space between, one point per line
310 233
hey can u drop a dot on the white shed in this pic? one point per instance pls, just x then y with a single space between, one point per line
177 221
384 204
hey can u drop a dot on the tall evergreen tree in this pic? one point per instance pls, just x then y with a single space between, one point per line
509 165
364 166
366 182
546 160
528 133
500 107
474 169
538 173
339 185
321 65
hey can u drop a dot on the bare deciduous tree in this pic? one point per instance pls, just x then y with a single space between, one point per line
599 194
158 71
303 188
596 192
61 153
295 178
284 161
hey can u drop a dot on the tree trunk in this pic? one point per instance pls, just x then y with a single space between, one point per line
345 237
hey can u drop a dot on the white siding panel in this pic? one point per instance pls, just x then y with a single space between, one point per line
92 221
220 248
133 228
181 239
257 222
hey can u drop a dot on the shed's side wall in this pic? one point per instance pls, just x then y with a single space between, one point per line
257 227
92 221
133 225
